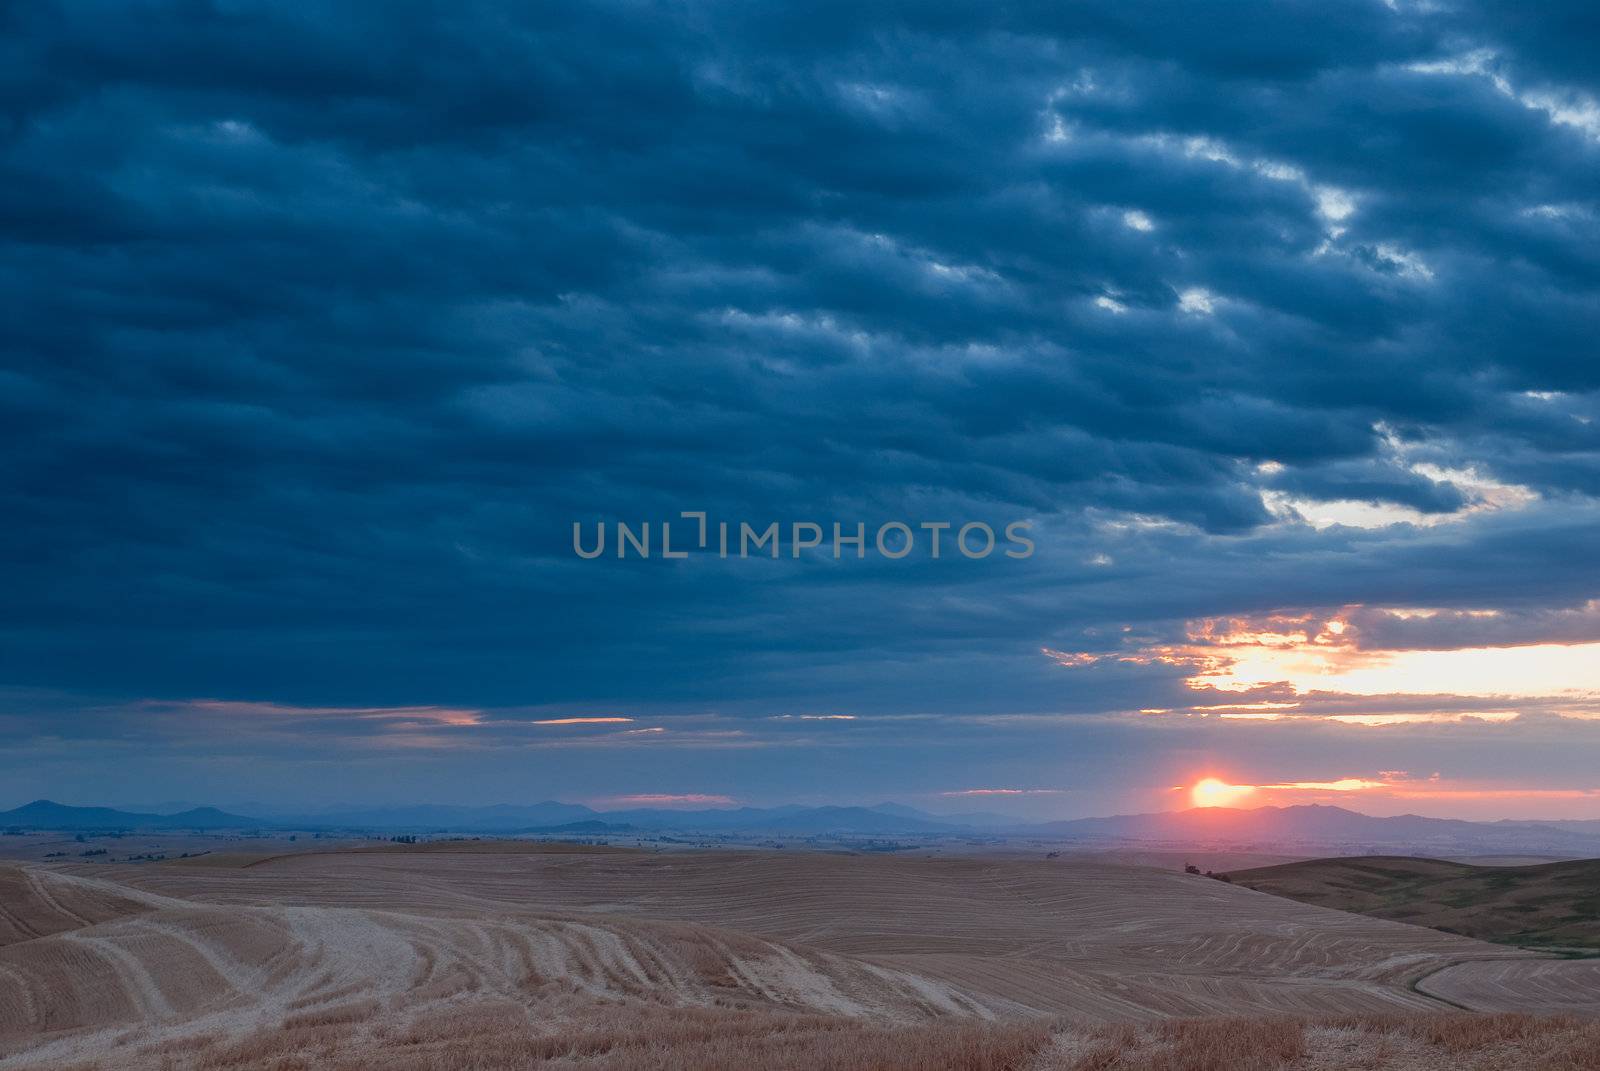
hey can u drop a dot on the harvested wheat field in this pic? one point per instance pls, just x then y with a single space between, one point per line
509 956
1550 906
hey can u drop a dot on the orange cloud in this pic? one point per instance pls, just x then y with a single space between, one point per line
1532 671
1447 718
1345 784
1497 793
1310 653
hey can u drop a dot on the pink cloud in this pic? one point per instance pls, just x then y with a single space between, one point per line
248 709
812 717
664 799
618 720
1004 792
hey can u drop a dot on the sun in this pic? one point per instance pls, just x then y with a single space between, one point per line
1212 792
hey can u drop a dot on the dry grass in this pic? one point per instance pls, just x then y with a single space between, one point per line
940 1047
1460 1042
659 1039
359 1012
616 1038
1486 1042
1182 1045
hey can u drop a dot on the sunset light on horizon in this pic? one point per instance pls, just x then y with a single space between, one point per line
1211 792
1398 792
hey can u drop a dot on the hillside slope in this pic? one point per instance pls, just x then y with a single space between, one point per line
1552 906
37 903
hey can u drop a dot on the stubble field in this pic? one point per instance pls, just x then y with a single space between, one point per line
494 955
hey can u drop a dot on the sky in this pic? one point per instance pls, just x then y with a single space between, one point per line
1272 326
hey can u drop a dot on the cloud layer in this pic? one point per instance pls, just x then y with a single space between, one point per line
326 323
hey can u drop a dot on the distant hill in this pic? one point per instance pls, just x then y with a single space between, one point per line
533 818
1578 825
589 825
47 814
976 819
1301 830
855 820
791 819
1553 906
706 820
1325 827
500 818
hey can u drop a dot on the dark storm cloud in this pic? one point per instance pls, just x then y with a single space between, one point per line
325 322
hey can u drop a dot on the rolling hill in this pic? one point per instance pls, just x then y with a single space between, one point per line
505 955
1553 907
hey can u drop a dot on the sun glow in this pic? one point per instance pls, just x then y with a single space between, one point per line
1529 671
1212 792
1308 653
1394 792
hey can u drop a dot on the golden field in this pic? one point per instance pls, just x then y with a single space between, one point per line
480 955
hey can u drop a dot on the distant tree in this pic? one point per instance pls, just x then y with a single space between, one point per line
1190 868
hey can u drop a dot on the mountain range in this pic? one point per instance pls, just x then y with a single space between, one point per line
1321 826
47 814
1309 826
